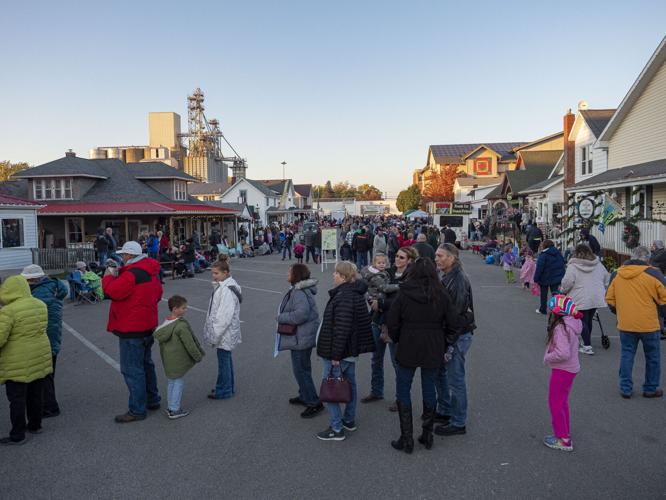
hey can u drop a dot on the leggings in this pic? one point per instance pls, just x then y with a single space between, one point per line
559 387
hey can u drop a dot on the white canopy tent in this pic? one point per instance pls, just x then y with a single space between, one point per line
418 214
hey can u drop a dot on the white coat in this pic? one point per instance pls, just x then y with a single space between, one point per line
222 326
585 281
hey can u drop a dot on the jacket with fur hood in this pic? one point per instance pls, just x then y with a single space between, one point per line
585 281
222 326
299 308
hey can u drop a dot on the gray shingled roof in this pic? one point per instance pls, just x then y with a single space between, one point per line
478 181
520 180
156 170
303 189
541 185
16 188
201 188
455 152
495 193
632 173
72 166
597 119
540 159
264 189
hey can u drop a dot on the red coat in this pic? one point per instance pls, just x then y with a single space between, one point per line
134 295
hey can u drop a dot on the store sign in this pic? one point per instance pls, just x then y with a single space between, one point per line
586 208
449 208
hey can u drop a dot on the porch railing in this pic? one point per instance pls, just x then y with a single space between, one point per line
61 258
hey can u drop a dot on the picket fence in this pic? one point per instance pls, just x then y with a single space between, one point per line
611 239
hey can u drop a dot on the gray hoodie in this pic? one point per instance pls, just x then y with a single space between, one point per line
300 308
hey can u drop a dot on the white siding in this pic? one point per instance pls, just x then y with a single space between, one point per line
17 258
255 198
585 137
641 137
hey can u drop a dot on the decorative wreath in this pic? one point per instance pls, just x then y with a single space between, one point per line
631 235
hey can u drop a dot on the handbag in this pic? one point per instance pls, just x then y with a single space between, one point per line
287 329
335 389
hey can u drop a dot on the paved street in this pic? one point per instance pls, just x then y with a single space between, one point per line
256 445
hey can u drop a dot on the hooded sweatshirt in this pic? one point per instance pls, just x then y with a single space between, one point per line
585 281
634 293
562 351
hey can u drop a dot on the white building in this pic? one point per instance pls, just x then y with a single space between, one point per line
253 194
18 221
463 186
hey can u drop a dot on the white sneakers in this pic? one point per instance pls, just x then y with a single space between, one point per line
586 349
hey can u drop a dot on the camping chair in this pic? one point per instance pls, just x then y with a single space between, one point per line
80 290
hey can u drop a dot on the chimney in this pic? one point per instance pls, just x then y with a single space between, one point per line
569 151
70 153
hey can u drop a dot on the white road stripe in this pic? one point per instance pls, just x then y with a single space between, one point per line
244 287
234 269
196 309
92 347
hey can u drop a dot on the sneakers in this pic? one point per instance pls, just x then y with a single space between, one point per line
370 398
558 444
656 394
296 401
539 312
126 418
330 435
586 349
173 415
312 411
450 430
349 426
7 441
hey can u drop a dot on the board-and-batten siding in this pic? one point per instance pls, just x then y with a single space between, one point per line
584 138
641 137
17 258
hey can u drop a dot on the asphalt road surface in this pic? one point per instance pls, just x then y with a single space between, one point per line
256 445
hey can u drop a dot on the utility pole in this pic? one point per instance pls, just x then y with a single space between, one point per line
283 165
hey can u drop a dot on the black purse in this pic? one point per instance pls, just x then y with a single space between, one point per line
285 328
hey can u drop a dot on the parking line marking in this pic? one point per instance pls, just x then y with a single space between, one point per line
256 271
196 309
93 347
243 286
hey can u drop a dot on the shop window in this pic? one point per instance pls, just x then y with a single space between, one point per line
52 189
180 190
12 233
74 230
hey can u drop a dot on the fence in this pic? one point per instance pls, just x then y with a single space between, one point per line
61 258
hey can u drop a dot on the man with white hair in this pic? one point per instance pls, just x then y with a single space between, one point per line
135 291
635 292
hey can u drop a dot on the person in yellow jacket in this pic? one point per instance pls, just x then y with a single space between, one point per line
25 356
635 294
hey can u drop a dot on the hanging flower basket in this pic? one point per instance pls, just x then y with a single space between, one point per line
631 235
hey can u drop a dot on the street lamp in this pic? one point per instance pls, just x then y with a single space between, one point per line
283 165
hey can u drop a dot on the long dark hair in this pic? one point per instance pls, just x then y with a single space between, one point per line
554 321
423 272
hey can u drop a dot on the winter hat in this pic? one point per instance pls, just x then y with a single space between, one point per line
131 248
564 306
32 271
81 266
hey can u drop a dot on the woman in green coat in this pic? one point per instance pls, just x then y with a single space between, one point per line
25 356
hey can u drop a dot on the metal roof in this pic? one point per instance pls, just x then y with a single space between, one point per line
11 201
137 207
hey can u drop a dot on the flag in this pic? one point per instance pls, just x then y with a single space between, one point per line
611 211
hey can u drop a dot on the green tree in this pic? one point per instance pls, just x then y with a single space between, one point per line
7 169
409 199
368 192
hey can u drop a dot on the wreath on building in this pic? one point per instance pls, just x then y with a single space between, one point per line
631 235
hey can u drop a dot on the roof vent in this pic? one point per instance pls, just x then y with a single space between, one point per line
70 153
582 105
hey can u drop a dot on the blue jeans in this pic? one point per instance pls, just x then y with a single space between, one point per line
102 258
224 388
310 251
137 367
174 392
302 367
403 385
377 381
361 259
652 351
348 371
286 248
451 387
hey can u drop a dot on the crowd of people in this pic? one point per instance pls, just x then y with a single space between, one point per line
399 285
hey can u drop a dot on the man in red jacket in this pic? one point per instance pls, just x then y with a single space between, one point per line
135 291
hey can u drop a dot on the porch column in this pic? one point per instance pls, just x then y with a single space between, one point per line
635 207
126 229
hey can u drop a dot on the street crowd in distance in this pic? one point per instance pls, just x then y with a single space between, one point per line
399 286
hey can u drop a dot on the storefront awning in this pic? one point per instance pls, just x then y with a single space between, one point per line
136 208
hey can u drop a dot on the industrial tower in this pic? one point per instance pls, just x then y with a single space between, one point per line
205 159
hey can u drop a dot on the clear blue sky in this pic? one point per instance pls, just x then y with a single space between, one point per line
346 90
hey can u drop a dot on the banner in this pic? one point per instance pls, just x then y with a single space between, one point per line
612 210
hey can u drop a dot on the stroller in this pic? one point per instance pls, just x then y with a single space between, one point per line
179 269
605 340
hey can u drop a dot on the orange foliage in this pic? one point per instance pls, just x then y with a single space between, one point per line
440 186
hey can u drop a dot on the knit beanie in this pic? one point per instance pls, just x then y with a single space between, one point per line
563 306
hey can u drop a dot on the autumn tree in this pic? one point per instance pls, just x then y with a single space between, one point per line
368 192
409 199
7 169
440 186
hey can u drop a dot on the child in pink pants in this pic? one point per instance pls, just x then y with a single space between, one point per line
562 357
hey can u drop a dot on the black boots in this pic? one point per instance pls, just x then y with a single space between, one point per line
406 441
426 438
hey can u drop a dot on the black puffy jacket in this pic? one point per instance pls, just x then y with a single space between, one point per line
345 329
421 327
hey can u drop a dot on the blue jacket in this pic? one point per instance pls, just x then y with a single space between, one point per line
153 244
549 267
51 292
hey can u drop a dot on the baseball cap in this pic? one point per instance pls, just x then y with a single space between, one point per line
131 248
32 271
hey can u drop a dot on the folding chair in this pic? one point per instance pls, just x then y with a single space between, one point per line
79 290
